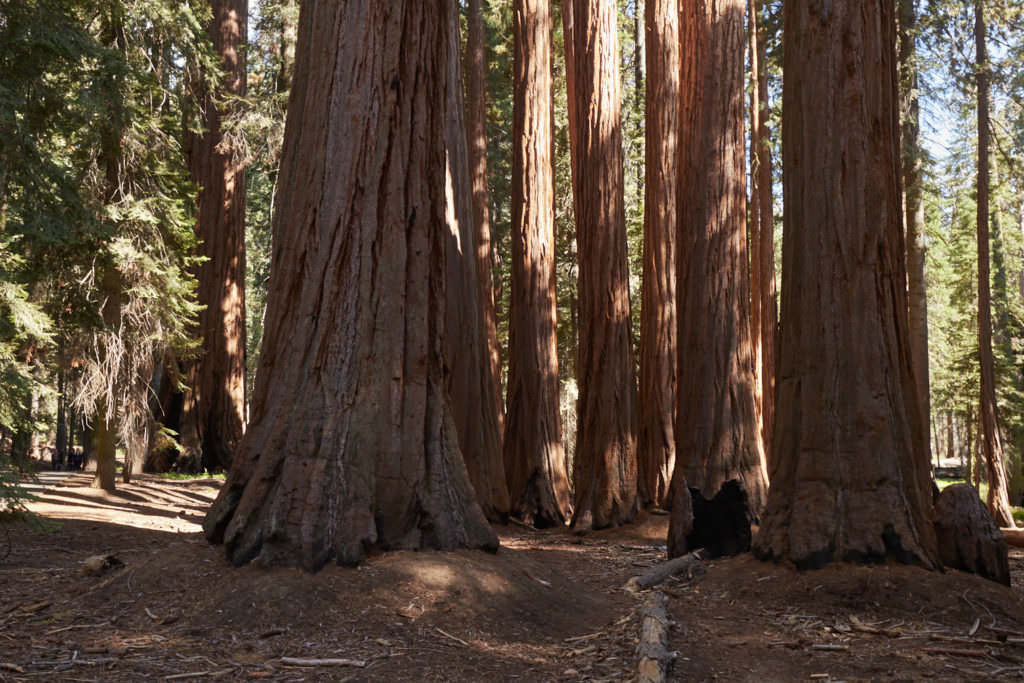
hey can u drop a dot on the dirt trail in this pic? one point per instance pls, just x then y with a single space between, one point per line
549 606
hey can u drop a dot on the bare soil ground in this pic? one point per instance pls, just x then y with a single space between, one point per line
549 606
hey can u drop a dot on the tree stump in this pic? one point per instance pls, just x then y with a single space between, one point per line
968 536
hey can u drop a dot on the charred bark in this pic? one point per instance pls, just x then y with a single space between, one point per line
717 436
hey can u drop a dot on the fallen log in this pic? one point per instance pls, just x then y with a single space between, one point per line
660 572
1014 536
655 657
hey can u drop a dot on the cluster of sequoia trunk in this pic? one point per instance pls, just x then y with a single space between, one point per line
376 419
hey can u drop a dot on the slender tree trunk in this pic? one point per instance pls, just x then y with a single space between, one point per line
214 418
352 442
717 434
998 498
605 473
968 453
534 459
476 120
845 381
470 383
105 425
656 440
61 455
913 209
766 252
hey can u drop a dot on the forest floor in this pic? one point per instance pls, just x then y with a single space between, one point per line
549 606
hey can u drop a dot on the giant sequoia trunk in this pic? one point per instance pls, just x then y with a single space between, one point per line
470 383
605 468
764 309
214 409
850 482
998 498
476 129
656 441
913 212
352 441
718 436
534 459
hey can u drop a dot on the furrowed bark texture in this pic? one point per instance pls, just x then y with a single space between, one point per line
763 307
998 498
534 458
352 441
754 213
766 253
470 384
913 212
850 483
717 437
656 441
605 468
214 414
476 126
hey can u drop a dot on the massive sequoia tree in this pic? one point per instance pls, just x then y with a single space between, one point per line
850 483
605 468
718 436
656 441
764 309
534 459
913 209
470 383
476 132
214 412
991 439
352 442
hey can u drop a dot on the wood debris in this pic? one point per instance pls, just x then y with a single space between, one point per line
330 661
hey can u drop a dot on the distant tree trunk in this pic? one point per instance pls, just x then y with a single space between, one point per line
845 381
352 442
605 472
476 120
656 441
968 452
766 251
289 35
913 212
61 446
569 41
950 436
717 434
534 459
105 424
214 418
998 498
473 392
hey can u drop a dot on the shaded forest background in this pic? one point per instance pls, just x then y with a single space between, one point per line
98 251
